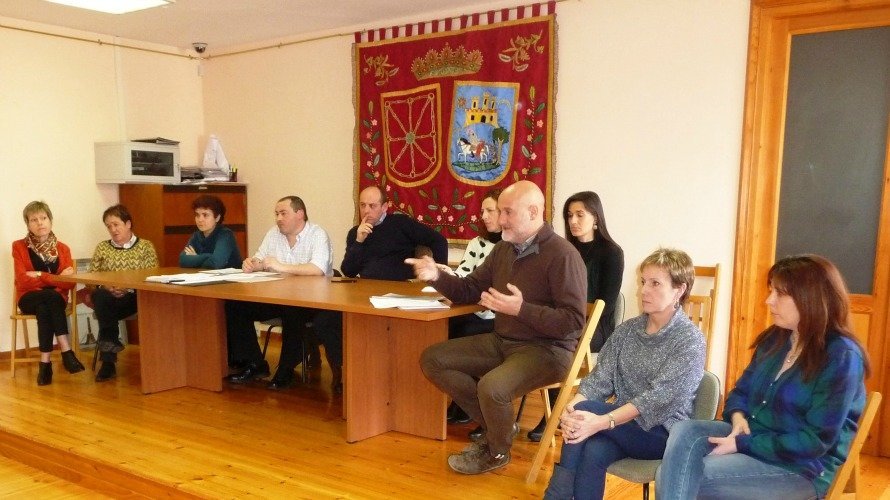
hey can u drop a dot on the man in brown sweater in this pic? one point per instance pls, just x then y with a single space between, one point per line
536 284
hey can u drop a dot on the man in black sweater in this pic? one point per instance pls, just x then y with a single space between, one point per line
377 248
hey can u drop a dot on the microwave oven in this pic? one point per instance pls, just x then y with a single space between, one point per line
137 162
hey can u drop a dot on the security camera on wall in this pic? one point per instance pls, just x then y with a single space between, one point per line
199 47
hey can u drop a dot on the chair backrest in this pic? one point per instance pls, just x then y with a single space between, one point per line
582 354
702 309
707 397
619 309
846 480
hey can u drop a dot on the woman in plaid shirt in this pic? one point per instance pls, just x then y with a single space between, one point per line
792 415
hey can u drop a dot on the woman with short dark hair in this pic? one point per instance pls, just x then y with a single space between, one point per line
124 250
213 245
788 423
37 258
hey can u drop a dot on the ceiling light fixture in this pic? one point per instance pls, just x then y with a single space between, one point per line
114 6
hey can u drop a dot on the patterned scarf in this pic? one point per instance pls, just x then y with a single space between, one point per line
46 250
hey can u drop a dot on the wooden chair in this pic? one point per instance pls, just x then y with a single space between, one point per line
591 359
582 356
702 309
17 315
846 480
707 398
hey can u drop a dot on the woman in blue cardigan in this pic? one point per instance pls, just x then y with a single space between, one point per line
792 415
213 245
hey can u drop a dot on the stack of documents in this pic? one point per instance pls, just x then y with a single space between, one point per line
211 276
187 279
407 302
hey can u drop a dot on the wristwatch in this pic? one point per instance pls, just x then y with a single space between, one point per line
611 421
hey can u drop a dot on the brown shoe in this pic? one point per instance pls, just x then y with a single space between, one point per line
477 461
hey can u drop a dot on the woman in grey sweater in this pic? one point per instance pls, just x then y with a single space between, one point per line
652 366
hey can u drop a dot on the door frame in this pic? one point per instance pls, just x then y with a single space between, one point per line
772 23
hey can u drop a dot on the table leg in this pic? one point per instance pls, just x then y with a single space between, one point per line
385 388
182 341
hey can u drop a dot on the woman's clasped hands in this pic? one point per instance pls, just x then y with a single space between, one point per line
578 425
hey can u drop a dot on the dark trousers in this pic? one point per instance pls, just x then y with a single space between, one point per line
328 327
109 311
49 307
590 458
484 373
241 333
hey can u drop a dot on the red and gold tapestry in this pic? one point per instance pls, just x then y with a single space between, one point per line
448 110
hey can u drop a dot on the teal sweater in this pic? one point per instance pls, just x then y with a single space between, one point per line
806 427
217 251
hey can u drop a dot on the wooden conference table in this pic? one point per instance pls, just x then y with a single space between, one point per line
183 342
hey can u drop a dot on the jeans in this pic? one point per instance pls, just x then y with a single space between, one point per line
484 373
688 472
49 307
590 458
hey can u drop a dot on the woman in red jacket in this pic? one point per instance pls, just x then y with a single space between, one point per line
37 258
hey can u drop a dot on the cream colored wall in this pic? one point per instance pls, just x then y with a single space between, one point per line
284 118
58 97
649 113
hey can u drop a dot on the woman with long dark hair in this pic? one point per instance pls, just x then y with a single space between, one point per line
792 415
585 228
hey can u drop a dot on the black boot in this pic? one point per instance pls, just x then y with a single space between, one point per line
106 372
535 434
457 415
476 434
562 484
45 374
69 360
313 357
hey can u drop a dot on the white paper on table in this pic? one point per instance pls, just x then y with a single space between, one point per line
391 300
228 270
252 277
185 279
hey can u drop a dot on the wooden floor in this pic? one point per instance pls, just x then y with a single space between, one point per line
79 438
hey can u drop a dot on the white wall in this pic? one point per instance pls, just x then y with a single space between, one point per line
59 96
649 114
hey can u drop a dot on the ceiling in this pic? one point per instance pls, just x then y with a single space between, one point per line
223 24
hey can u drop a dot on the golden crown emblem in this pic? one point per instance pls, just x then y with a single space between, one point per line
446 62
